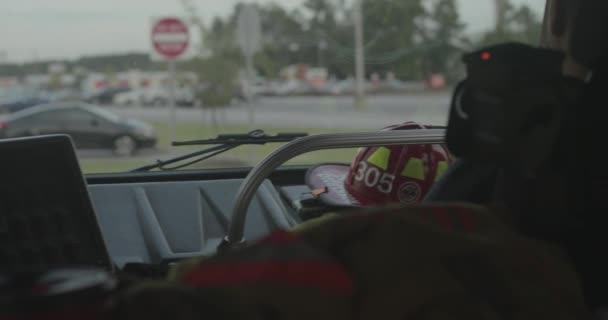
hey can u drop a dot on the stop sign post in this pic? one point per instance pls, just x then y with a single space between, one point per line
170 39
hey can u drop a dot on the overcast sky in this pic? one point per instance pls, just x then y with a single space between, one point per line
41 29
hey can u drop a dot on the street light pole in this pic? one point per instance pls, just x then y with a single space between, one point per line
359 56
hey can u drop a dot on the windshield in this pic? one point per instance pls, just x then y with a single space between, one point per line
196 69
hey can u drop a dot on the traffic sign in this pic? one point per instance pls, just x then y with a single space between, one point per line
170 37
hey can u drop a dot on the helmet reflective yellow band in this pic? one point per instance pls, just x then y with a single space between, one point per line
442 166
380 158
414 169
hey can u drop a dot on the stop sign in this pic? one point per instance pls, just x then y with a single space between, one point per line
170 37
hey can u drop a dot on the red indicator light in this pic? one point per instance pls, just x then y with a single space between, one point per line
486 56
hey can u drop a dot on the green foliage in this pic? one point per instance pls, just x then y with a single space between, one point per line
221 37
55 82
281 29
398 38
518 24
391 28
127 61
10 70
101 63
24 69
445 39
217 80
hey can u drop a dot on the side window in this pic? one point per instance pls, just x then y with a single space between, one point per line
46 117
48 120
60 117
78 116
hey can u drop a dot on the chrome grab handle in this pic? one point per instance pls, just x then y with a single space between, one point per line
314 143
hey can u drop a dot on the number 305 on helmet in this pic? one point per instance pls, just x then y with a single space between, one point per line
382 175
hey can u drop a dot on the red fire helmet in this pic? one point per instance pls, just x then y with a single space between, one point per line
382 175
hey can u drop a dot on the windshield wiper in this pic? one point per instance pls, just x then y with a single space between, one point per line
254 137
224 142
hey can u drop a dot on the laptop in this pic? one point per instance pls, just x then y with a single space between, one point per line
47 220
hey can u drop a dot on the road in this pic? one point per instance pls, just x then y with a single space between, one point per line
321 112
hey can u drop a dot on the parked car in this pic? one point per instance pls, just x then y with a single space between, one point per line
21 104
398 85
347 86
130 98
292 87
90 127
183 96
106 97
154 97
66 94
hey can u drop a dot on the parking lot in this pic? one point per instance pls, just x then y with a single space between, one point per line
321 112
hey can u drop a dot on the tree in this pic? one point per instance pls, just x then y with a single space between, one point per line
392 33
11 70
220 38
55 82
128 61
217 80
444 38
218 73
280 29
527 25
331 31
402 36
518 24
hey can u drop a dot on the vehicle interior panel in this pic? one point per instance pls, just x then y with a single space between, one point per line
284 176
155 222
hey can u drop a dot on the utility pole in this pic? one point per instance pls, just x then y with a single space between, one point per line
360 102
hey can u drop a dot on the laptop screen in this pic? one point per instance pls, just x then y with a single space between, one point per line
46 216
